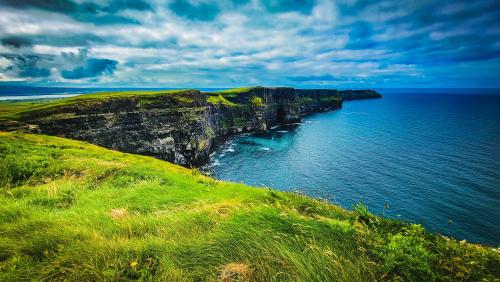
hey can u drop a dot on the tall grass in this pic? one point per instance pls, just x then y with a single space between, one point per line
73 211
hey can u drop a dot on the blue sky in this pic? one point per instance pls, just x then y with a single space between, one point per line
206 43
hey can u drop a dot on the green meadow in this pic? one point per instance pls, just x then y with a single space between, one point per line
77 212
15 110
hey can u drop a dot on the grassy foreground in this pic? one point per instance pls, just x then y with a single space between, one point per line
74 211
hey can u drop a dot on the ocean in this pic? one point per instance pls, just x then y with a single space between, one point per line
424 156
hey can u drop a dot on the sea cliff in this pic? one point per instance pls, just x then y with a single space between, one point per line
181 126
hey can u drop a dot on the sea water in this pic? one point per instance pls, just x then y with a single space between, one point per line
425 156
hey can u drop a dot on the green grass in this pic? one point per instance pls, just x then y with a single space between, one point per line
15 110
235 90
231 93
257 101
217 99
11 109
119 94
77 212
222 96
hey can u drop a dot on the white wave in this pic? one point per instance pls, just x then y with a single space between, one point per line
265 149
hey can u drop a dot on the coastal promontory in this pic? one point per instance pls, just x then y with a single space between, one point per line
180 126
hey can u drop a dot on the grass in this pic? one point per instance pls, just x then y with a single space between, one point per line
257 101
15 110
74 211
119 94
223 97
11 109
235 90
232 93
217 99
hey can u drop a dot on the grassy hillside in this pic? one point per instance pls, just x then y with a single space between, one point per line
16 109
74 211
235 91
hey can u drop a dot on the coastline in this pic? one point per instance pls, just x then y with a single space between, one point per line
180 126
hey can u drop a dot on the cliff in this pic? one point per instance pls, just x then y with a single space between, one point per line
178 126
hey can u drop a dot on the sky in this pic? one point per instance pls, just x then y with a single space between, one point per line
207 43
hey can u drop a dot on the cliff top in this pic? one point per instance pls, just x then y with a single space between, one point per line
233 91
74 211
14 109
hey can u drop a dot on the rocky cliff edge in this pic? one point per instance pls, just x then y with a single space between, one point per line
180 126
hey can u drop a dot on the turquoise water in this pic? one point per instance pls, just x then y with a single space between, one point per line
432 158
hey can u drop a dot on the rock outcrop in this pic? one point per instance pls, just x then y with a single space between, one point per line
180 127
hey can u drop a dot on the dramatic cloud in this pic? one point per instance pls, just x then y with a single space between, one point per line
83 11
209 43
66 65
279 6
91 68
27 66
16 42
201 11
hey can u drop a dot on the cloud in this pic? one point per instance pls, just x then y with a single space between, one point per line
15 41
71 40
91 68
66 65
360 36
279 6
79 65
96 12
203 43
24 66
240 2
49 5
325 77
201 11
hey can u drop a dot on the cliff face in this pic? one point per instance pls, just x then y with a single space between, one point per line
181 128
